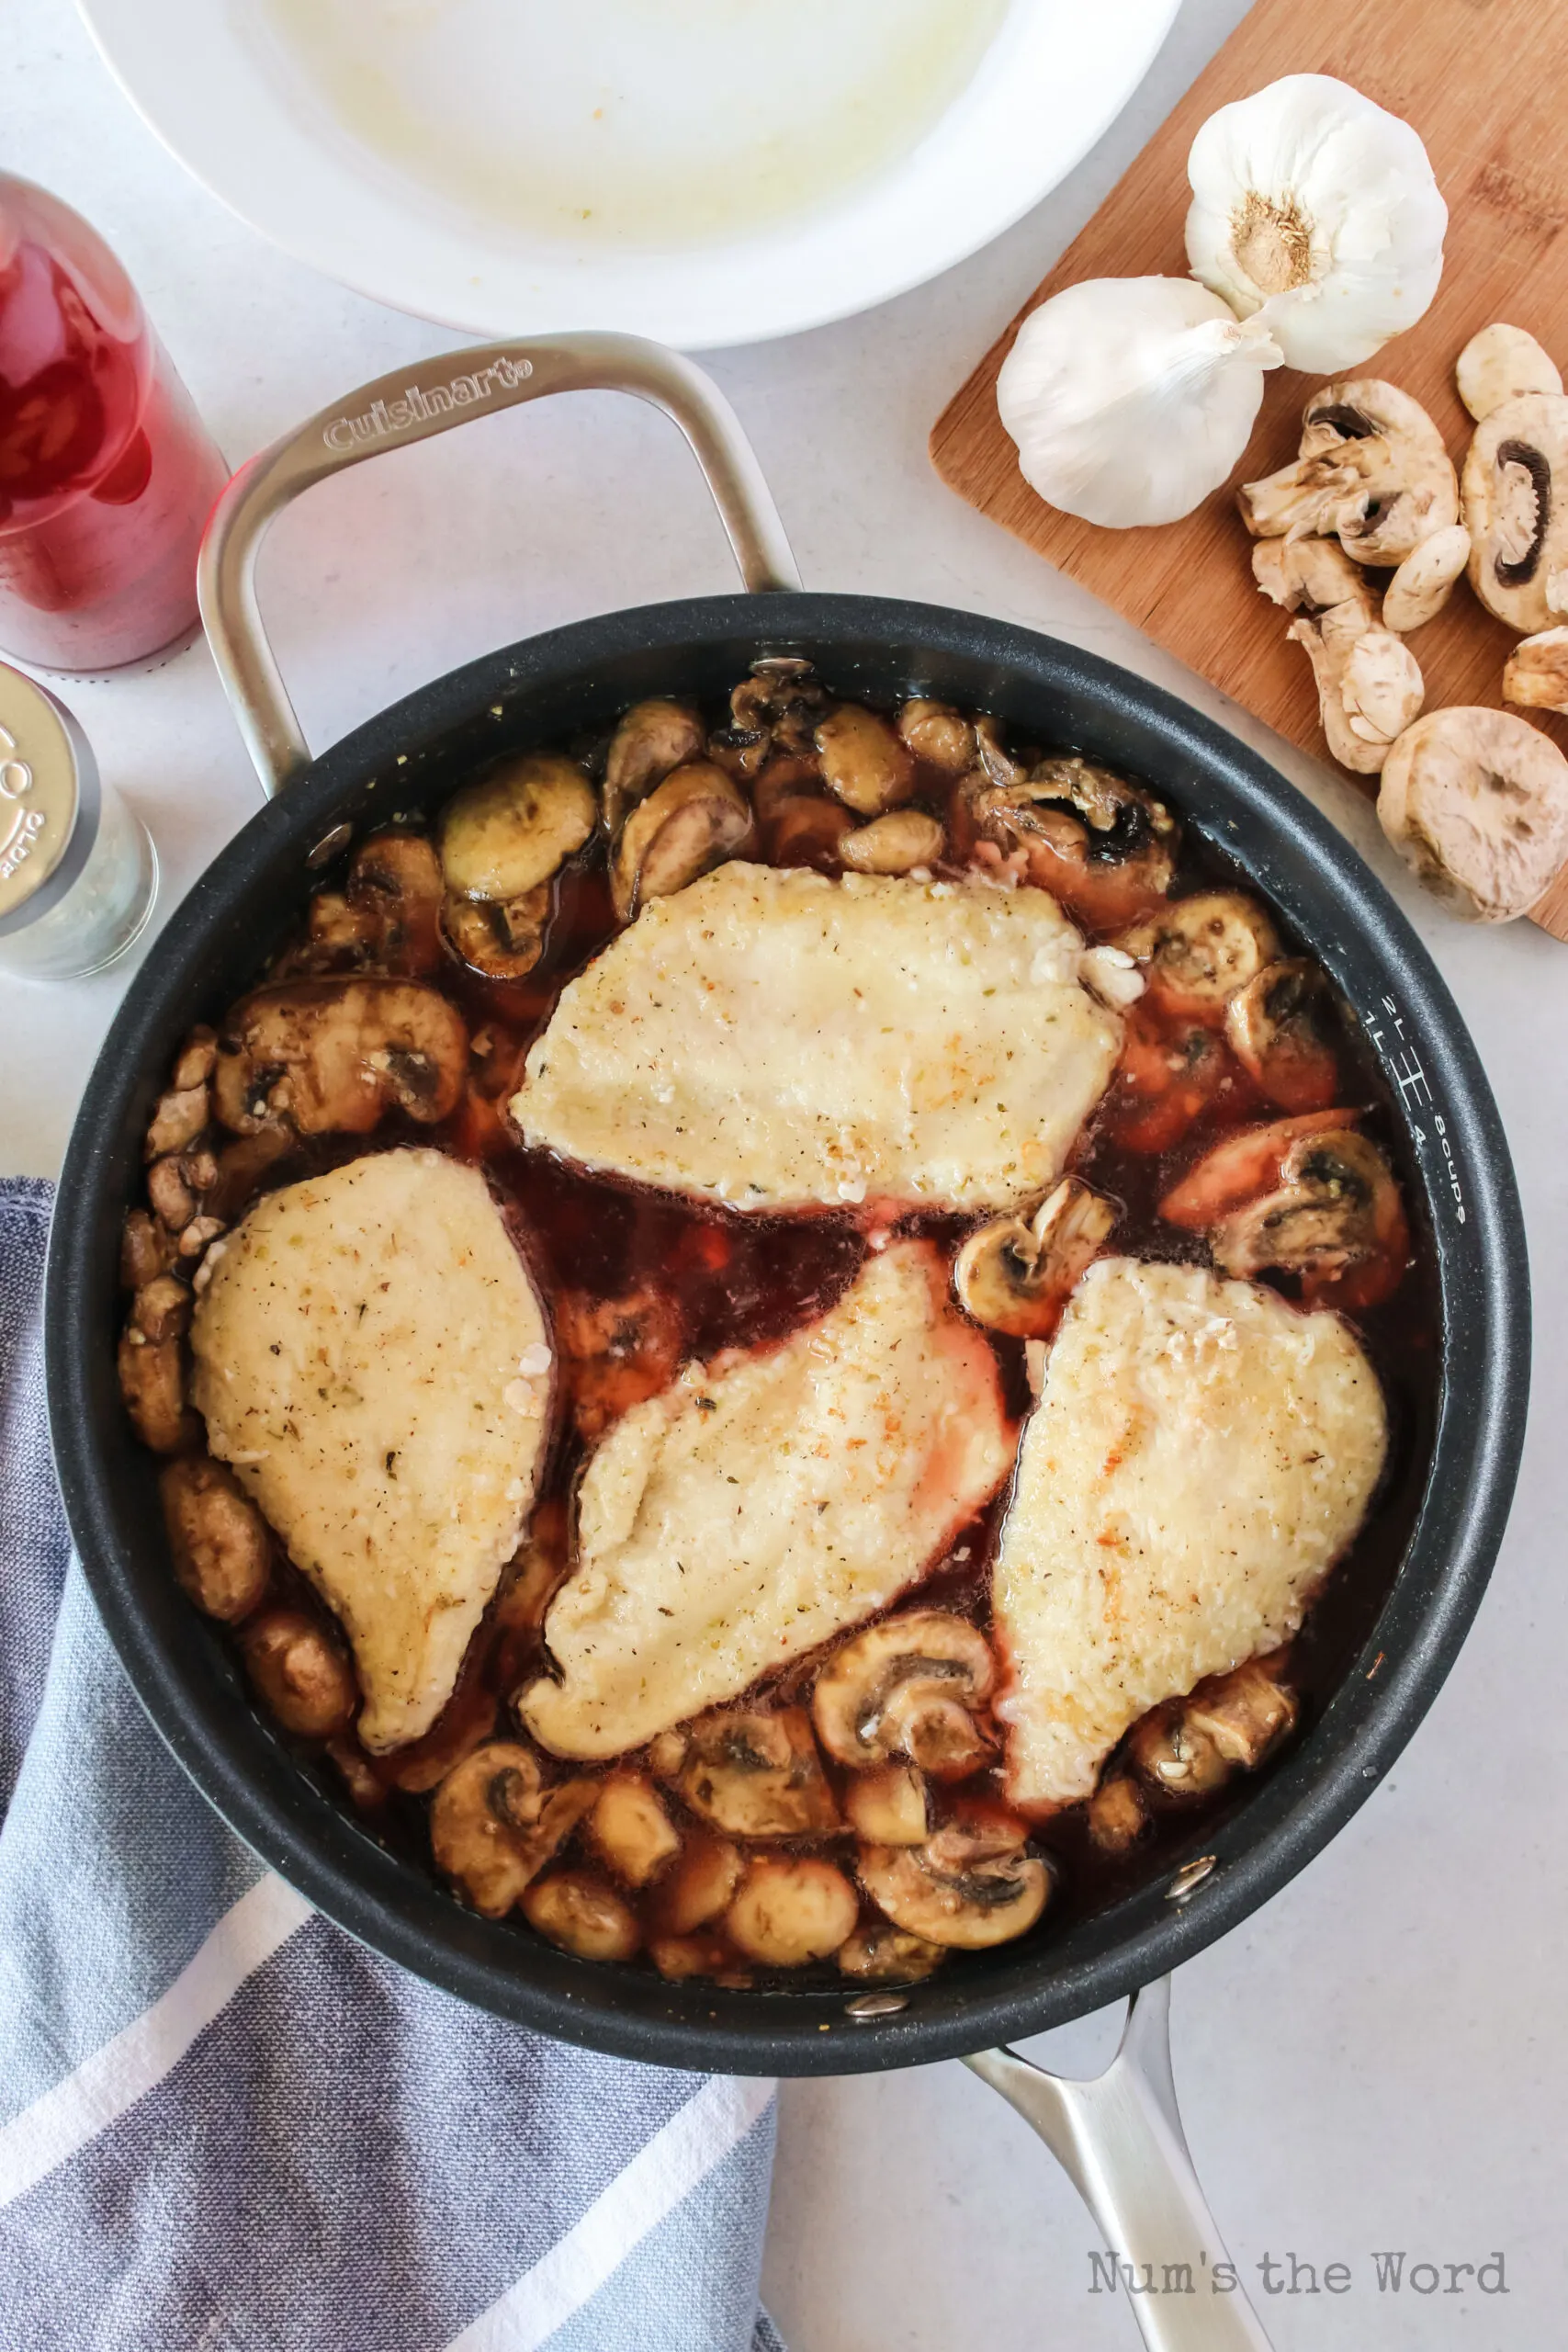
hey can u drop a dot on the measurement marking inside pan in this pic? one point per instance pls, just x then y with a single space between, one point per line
1403 1064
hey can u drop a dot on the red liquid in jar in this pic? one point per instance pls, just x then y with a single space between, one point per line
107 473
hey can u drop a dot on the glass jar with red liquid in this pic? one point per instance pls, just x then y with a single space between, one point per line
107 473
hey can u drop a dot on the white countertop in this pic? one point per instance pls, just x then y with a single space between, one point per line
1369 2063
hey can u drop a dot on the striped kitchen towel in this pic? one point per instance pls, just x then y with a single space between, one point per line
226 2126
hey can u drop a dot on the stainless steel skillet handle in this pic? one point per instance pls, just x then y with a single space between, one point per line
1120 2141
431 396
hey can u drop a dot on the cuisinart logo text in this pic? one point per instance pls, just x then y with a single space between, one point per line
416 407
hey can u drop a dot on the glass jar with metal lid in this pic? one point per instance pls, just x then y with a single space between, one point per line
78 871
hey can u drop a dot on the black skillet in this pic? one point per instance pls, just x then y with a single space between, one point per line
542 690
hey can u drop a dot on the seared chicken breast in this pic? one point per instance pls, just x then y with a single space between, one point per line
1202 1455
767 1501
372 1361
775 1040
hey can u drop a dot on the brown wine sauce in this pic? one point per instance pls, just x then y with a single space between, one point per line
675 1280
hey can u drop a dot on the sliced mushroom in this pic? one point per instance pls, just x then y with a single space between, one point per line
1332 1210
151 1381
895 843
240 1167
631 1830
1424 581
1104 847
1175 1757
1476 803
1015 1274
301 1672
864 762
790 1910
464 1723
583 1914
1372 472
1241 1168
775 710
146 1249
1189 1747
1306 576
884 1954
1515 505
887 1806
911 1686
652 738
1498 365
386 916
699 1885
218 1539
502 937
170 1193
494 1825
332 1056
1536 677
1197 952
515 826
1278 1027
1118 1816
1370 685
970 1887
178 1119
937 734
1245 1714
689 824
197 1057
750 1775
162 1308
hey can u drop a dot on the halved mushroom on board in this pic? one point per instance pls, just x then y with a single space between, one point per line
1516 507
1499 364
1372 472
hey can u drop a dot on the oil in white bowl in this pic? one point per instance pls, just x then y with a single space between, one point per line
636 123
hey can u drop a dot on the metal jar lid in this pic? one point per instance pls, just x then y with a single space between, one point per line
48 800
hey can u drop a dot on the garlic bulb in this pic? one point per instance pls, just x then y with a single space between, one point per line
1317 212
1131 397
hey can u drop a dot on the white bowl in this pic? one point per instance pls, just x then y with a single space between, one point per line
226 84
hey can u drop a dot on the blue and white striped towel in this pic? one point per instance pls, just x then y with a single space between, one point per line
224 2126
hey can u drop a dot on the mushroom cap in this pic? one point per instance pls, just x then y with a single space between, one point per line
1277 1026
865 763
515 826
584 1915
907 1687
791 1909
905 837
1516 507
1476 803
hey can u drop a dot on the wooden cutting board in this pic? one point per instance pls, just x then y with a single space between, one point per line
1485 83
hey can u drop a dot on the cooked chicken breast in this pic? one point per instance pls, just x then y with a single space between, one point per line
767 1501
775 1040
371 1359
1202 1455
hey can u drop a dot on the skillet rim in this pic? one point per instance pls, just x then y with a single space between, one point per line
1293 853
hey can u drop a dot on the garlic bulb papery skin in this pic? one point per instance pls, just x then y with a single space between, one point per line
1131 399
1316 211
